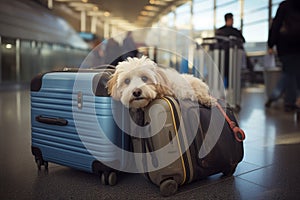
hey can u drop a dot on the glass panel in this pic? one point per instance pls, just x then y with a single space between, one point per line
276 1
183 21
8 49
30 65
257 16
274 10
223 2
204 21
183 16
203 5
253 5
170 19
256 32
234 8
203 15
183 9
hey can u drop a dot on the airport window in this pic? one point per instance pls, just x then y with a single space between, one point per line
276 1
257 32
204 21
274 10
183 16
275 4
25 44
256 17
203 5
225 2
170 19
230 6
255 27
203 15
254 5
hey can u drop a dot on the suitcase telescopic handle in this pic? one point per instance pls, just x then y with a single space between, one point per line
51 120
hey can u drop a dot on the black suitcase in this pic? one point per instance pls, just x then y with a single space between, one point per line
193 142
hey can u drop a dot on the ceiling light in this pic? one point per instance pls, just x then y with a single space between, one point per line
157 2
8 46
106 13
84 1
95 13
143 18
82 6
79 9
151 8
147 13
64 0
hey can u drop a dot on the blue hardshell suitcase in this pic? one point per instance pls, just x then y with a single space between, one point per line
73 125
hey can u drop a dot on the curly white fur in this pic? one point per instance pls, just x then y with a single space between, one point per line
137 81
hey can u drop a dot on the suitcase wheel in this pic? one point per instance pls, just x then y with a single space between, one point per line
230 170
39 162
109 178
168 187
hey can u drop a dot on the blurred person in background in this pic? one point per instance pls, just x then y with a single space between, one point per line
112 52
129 46
285 35
228 31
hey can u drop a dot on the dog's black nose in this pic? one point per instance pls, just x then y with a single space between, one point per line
137 92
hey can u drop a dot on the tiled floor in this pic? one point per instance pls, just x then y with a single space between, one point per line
269 170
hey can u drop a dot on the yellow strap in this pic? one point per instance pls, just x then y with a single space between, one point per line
176 133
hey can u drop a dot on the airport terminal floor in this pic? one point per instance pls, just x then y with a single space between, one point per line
269 170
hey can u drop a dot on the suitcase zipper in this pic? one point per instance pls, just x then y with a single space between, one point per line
176 133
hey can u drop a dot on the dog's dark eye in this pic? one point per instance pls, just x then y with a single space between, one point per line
144 78
127 81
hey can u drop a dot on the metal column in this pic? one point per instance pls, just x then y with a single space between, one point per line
270 13
242 2
106 29
94 24
83 21
215 15
0 59
18 60
50 4
191 45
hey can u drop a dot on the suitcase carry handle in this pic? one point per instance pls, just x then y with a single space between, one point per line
104 66
238 132
92 69
51 120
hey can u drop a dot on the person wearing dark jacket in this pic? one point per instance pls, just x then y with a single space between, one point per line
284 34
112 52
129 46
226 31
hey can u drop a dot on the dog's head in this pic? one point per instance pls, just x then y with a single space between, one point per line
137 81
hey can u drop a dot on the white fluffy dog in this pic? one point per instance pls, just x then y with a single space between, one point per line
137 81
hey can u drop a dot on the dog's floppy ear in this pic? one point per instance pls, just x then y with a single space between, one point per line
163 85
112 86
